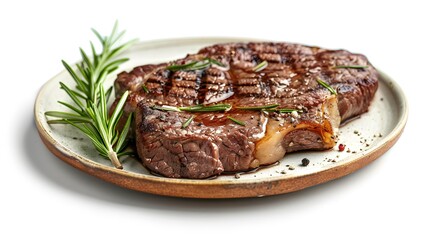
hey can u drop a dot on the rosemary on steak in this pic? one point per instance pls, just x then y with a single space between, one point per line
327 86
352 66
166 108
210 108
88 111
215 62
236 121
261 66
195 65
187 122
145 89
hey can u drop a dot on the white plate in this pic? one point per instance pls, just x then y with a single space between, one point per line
367 138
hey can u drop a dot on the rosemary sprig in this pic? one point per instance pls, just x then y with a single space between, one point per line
257 108
236 121
195 65
89 112
352 66
187 122
327 86
211 108
261 66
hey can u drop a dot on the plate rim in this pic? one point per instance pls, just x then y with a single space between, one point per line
255 187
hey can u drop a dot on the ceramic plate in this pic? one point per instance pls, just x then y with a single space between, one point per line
365 138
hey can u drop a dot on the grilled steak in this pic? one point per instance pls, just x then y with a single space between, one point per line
236 74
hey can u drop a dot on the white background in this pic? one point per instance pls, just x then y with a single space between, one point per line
42 197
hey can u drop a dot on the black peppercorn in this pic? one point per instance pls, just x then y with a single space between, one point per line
305 162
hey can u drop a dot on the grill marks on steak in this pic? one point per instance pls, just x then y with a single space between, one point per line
217 86
212 144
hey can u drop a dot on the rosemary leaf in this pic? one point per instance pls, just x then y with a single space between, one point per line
236 121
75 98
109 92
73 108
145 89
98 35
126 153
166 108
114 65
76 78
283 110
195 65
352 66
214 61
86 60
259 107
181 67
199 66
65 121
121 48
102 105
94 54
287 110
187 122
121 142
116 115
261 66
211 108
69 116
325 85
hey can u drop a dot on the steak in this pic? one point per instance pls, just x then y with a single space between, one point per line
303 94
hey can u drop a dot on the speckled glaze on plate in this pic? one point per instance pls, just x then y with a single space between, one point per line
366 138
